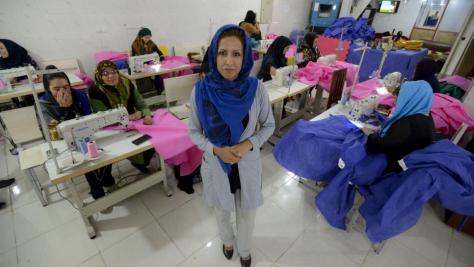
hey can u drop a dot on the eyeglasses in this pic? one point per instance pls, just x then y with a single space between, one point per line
107 73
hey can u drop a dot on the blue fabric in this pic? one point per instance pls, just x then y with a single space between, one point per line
312 149
337 199
413 98
401 60
441 171
223 104
353 29
121 63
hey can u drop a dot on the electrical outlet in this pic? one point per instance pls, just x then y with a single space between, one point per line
97 30
103 30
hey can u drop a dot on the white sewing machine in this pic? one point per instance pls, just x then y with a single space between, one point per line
139 63
264 44
327 60
6 75
78 129
361 110
281 76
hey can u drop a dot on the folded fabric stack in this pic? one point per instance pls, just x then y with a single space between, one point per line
413 44
354 29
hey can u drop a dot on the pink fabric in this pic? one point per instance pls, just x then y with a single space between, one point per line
171 64
318 73
462 82
86 80
272 36
170 139
185 60
363 89
291 52
110 55
449 113
328 45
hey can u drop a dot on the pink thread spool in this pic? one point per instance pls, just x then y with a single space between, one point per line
93 151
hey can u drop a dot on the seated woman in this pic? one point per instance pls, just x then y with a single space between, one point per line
12 55
61 103
143 45
274 59
309 48
111 89
425 70
411 127
250 24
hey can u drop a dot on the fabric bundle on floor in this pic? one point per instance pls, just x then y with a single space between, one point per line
334 150
353 29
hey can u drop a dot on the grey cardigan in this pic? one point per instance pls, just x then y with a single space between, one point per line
215 181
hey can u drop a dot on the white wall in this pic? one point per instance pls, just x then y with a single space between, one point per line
289 15
456 9
401 21
61 29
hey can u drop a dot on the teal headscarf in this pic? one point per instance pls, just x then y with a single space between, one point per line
414 98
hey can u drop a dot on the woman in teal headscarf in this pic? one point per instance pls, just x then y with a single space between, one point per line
225 108
411 127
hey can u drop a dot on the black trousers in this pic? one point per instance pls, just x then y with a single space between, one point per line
100 178
159 86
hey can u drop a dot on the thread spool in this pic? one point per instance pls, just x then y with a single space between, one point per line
92 148
83 146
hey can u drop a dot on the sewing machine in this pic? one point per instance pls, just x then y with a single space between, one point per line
139 63
361 110
78 129
6 75
264 44
281 76
327 60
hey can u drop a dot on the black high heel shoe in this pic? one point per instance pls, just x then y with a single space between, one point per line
228 253
246 263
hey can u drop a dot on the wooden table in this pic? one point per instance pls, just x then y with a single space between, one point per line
25 89
117 146
153 70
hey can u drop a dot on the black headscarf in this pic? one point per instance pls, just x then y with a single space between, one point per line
17 55
250 17
425 67
276 50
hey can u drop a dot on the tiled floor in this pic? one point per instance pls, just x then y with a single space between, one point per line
151 229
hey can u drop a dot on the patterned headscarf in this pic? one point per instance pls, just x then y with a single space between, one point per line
122 87
17 55
413 98
139 46
223 104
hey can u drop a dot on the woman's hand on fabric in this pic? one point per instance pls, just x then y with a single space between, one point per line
135 116
64 98
243 147
13 81
367 131
296 77
228 154
273 71
147 120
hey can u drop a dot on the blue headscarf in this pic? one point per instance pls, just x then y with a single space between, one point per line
223 104
414 98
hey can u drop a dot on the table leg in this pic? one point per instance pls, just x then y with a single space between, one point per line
80 206
277 111
30 173
317 100
135 83
164 185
